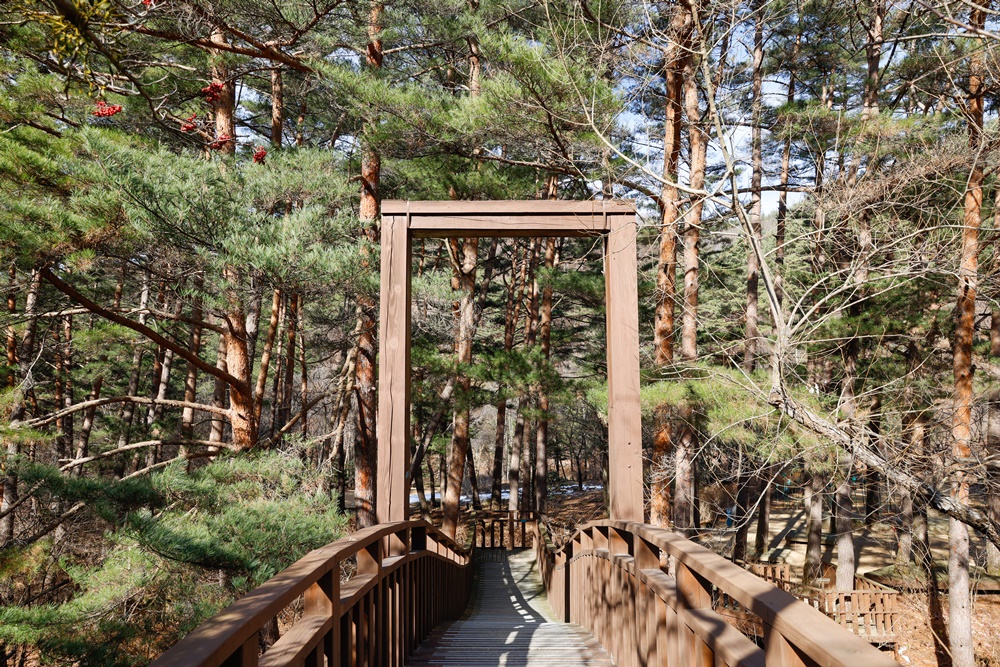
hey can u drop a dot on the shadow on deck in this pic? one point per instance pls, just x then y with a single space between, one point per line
509 623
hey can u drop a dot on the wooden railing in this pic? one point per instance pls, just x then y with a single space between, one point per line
871 612
647 595
409 577
504 530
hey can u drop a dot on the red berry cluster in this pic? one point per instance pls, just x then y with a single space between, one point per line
212 91
221 141
259 154
189 124
105 110
148 3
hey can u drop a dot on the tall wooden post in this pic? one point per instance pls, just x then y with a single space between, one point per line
393 503
624 417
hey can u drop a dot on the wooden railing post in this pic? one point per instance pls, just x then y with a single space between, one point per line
693 592
647 557
246 655
778 651
323 599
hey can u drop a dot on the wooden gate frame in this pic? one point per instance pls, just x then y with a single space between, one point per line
402 221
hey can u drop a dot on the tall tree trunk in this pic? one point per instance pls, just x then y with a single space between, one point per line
265 357
242 415
746 487
813 498
844 529
83 440
464 256
128 410
512 315
217 433
191 378
11 333
224 107
666 276
545 342
993 480
914 433
757 168
366 453
762 533
514 475
786 159
285 400
959 587
64 366
277 106
684 469
698 141
659 502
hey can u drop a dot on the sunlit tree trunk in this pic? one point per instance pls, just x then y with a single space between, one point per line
959 586
366 452
757 168
545 342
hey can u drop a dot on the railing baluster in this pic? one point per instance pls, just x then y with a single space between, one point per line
246 655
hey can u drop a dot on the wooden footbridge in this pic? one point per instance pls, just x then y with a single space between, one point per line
619 592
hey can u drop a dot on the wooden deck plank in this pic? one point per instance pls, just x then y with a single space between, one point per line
509 624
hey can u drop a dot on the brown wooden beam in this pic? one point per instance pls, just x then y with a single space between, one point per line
393 429
624 416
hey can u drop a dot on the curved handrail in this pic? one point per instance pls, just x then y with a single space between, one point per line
646 593
428 575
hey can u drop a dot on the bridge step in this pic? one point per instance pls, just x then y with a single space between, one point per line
509 624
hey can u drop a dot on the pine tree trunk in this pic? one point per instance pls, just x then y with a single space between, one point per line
512 314
218 431
786 158
64 387
757 168
11 334
473 479
277 106
663 424
698 140
813 498
83 441
545 342
191 378
224 106
666 276
515 472
684 491
914 434
959 586
464 256
366 453
265 357
285 400
873 480
762 534
514 463
128 410
843 512
745 490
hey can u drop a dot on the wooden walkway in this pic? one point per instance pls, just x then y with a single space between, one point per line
509 624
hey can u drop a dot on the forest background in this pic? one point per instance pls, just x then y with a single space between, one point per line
189 206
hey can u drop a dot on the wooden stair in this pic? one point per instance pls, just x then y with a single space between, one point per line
509 623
